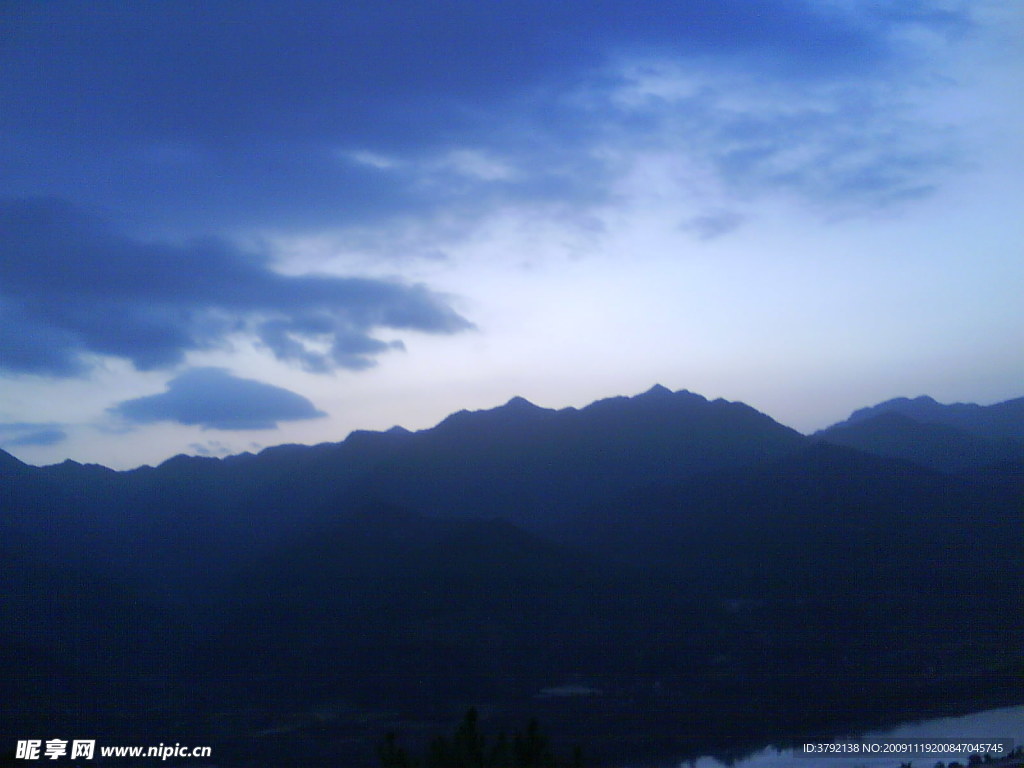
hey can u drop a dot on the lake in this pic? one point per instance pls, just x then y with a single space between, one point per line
1004 723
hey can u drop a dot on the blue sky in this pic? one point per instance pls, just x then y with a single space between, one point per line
228 226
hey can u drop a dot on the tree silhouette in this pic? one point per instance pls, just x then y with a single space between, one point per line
391 755
468 748
531 750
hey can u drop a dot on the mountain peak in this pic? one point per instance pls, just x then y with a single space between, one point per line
511 412
520 403
896 402
656 391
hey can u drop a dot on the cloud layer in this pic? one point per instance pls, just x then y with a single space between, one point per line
214 399
71 287
324 114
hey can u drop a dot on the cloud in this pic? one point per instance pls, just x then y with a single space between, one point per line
369 72
211 448
214 399
727 137
71 287
714 224
26 433
320 115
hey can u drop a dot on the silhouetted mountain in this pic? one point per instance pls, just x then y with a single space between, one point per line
950 438
445 610
653 572
9 463
994 422
528 464
74 635
863 508
520 462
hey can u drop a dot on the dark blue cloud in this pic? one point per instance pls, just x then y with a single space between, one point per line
391 74
214 399
203 118
27 433
71 286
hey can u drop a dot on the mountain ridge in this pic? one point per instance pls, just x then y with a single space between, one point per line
1007 415
959 437
701 565
1004 419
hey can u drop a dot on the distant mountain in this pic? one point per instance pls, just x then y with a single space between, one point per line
951 438
687 569
994 422
520 462
528 464
871 509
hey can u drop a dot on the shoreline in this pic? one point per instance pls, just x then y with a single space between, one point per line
738 750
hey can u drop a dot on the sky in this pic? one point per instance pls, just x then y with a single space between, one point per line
227 226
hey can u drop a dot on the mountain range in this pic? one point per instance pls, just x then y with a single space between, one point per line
952 438
652 575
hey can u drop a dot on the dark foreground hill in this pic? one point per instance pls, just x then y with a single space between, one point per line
649 575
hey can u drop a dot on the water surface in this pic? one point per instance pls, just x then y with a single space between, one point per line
1004 723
